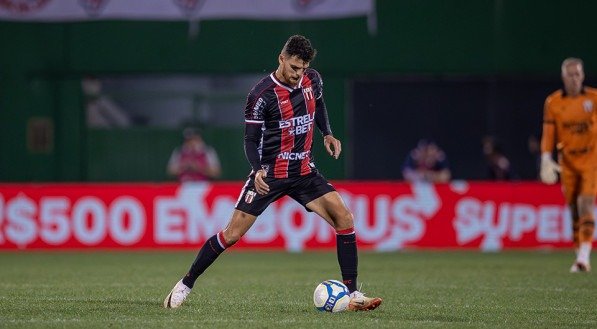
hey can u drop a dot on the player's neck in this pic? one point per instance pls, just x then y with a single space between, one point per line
281 78
573 92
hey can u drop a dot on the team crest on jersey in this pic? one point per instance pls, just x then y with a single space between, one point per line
308 92
250 196
588 106
22 6
93 7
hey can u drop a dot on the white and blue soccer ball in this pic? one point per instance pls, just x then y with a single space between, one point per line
331 296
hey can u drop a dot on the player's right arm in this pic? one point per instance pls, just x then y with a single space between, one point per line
253 134
254 120
549 168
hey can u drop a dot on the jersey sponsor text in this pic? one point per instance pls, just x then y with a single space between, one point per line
294 155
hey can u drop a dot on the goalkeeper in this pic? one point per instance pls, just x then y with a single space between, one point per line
568 124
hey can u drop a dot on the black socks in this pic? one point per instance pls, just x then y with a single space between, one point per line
346 245
206 256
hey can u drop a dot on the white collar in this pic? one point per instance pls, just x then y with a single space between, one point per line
279 83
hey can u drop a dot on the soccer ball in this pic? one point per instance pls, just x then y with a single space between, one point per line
331 296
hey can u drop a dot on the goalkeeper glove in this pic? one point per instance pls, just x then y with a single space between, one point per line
549 169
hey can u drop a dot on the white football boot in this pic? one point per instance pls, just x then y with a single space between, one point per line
583 255
177 296
580 267
358 302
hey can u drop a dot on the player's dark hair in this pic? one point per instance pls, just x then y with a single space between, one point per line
298 45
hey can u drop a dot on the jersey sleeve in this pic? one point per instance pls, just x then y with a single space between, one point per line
317 82
548 135
253 134
321 113
255 108
254 120
321 118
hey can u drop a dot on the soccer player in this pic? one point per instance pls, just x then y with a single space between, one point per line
568 124
281 113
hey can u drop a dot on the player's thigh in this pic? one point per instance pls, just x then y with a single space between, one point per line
309 190
585 205
253 203
239 224
332 208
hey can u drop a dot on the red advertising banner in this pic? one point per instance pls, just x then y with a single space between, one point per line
388 216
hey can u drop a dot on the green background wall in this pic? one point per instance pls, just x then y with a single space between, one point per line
41 66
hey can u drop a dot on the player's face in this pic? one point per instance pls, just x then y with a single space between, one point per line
573 77
291 69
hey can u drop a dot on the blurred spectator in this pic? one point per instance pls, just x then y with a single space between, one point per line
498 165
534 146
102 111
426 163
194 161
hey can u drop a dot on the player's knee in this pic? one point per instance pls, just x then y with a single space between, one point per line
585 210
231 237
345 220
585 205
236 228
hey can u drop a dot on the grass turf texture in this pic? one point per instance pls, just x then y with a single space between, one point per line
274 290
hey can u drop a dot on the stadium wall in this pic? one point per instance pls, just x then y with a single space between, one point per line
41 66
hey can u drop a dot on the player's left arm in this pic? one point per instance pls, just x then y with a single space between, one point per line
332 145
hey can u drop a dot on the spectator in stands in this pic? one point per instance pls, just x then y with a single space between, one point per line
426 163
498 165
102 111
534 146
194 161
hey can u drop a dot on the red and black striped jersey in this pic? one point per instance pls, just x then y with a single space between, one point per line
287 118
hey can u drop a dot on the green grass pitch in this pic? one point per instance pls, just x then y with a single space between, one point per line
421 289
